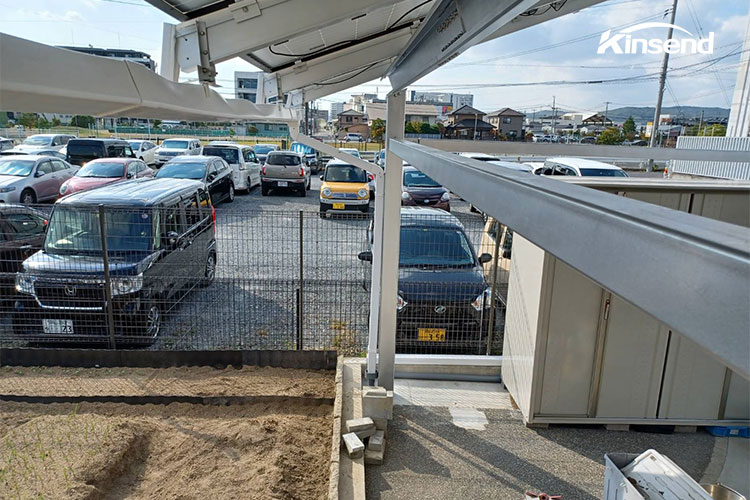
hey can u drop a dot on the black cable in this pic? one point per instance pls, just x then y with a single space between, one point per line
407 13
350 77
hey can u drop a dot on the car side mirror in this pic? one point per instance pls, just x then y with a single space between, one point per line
39 174
211 177
484 258
321 177
129 175
365 256
506 253
172 237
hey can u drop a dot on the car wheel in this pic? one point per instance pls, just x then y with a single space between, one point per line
303 191
209 273
28 197
249 185
153 321
263 190
230 196
309 184
322 212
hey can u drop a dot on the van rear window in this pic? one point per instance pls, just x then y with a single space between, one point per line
91 150
230 155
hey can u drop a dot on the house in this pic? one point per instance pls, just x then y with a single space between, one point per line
353 122
421 113
508 123
467 123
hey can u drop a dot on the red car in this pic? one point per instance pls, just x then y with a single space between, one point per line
105 171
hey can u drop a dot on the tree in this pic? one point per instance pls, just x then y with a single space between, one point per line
377 130
424 128
628 128
434 129
28 120
409 128
156 123
56 122
82 121
610 135
252 129
715 130
231 132
42 122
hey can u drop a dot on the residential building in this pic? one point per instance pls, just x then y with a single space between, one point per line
358 101
508 123
455 101
422 113
249 85
467 123
336 109
135 56
352 121
268 129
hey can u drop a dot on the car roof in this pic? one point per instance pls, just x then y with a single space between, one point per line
284 151
429 217
34 157
192 158
582 163
179 139
226 143
268 144
96 139
44 135
339 163
477 155
523 167
112 160
139 192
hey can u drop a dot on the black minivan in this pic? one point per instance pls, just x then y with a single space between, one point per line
81 151
443 301
160 239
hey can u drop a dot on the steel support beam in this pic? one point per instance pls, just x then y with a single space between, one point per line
388 231
696 272
169 68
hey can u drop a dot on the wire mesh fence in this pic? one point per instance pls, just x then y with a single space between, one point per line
175 274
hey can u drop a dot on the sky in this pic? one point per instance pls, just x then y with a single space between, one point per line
543 53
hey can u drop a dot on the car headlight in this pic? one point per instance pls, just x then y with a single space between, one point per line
484 299
326 192
7 189
400 303
405 196
126 284
24 283
446 196
63 188
362 193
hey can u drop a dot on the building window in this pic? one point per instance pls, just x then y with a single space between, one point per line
506 120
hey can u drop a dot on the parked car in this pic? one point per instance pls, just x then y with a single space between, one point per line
160 245
212 171
241 159
345 188
589 139
494 230
351 151
418 189
41 152
287 170
31 178
480 156
262 150
579 167
178 146
380 159
309 154
53 142
144 150
81 151
637 142
105 171
6 144
21 234
352 137
443 299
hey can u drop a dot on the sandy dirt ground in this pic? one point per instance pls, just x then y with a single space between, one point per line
178 451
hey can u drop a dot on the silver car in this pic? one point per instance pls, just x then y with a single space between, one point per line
285 170
176 146
32 178
47 142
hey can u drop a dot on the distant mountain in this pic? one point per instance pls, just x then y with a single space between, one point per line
646 114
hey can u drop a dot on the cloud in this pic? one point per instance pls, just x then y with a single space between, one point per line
734 27
46 15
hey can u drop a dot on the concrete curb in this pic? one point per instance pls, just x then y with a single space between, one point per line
333 481
716 464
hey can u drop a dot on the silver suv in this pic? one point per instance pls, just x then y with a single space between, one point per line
286 170
176 146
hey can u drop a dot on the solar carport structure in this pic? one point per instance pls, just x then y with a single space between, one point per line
691 273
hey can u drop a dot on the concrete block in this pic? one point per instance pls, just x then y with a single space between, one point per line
365 433
381 424
354 446
377 403
374 391
359 424
373 457
376 441
618 427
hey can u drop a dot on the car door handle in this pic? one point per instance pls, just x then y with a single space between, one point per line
26 247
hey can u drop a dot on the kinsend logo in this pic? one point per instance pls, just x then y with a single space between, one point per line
625 43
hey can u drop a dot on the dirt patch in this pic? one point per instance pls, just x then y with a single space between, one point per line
177 381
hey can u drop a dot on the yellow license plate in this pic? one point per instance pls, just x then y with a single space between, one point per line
339 206
431 334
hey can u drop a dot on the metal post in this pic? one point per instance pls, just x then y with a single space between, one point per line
390 236
493 297
301 308
662 81
107 280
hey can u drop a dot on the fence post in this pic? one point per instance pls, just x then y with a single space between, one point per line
300 322
107 281
493 297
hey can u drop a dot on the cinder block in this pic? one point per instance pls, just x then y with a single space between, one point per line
375 391
354 446
373 457
365 433
376 441
377 403
359 424
381 424
618 427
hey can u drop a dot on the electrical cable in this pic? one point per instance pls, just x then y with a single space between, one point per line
395 23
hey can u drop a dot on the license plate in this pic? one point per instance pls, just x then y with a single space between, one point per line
282 184
339 206
431 334
58 326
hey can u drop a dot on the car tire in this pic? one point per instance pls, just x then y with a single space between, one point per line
263 190
230 196
322 212
249 185
152 323
302 192
365 209
28 197
309 184
209 271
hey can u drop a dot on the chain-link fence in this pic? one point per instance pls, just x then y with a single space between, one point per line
175 274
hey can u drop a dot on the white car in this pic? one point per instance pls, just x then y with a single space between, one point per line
6 144
480 156
144 151
580 167
178 146
245 165
46 142
353 137
351 151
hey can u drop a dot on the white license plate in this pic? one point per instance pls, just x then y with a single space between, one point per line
58 326
282 184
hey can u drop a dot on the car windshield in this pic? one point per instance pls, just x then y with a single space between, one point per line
353 152
179 170
230 155
344 173
301 148
262 150
109 169
38 140
438 247
136 145
415 178
76 231
602 172
18 168
171 144
287 160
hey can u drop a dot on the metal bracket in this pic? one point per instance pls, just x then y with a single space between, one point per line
300 66
242 11
206 69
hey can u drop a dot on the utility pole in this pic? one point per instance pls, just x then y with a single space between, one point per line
606 111
554 116
700 123
307 118
662 81
476 116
